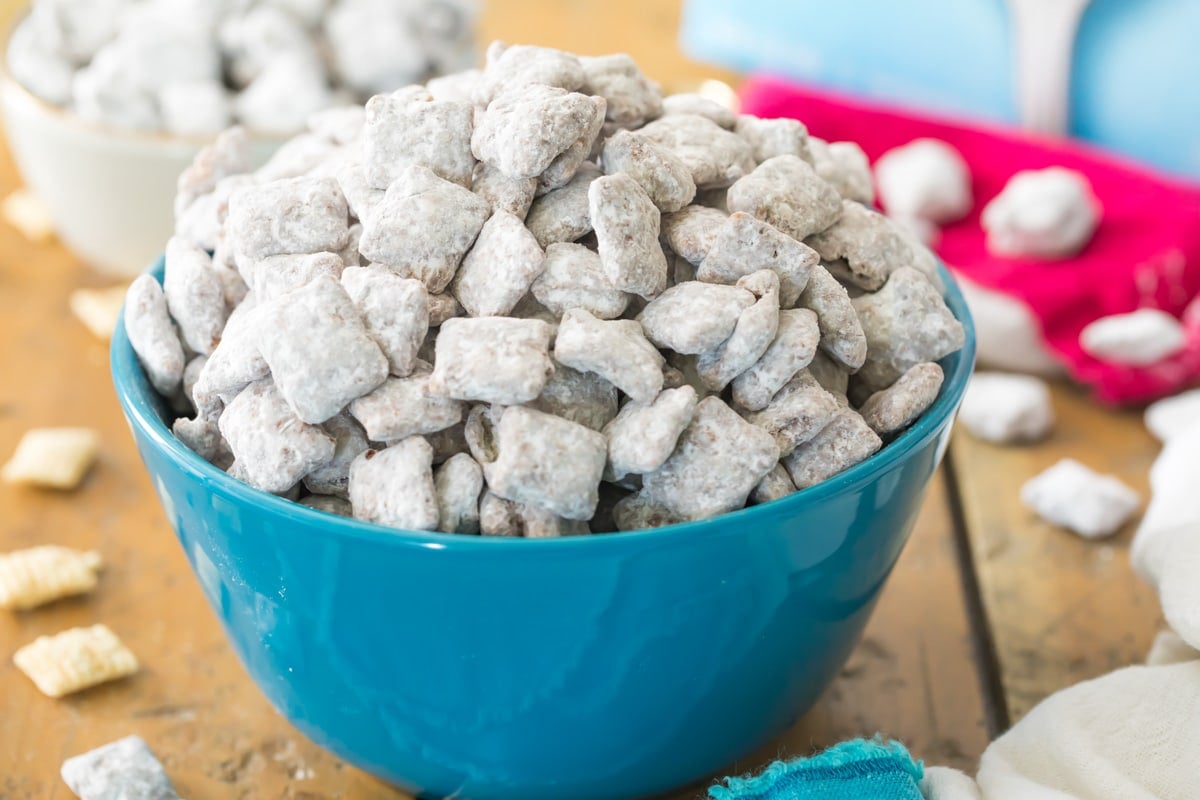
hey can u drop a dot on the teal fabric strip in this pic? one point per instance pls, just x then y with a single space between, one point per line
859 769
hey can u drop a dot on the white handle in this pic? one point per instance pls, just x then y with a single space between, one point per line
1044 32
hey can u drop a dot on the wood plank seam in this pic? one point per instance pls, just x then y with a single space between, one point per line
983 641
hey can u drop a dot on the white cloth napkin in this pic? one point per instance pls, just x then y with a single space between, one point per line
1133 734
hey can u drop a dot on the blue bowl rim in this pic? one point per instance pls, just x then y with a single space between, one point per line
139 411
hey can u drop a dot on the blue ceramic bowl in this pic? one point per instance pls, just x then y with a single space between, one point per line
606 666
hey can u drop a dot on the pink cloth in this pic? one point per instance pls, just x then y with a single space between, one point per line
1146 252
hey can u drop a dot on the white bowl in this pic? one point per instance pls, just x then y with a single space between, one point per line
109 192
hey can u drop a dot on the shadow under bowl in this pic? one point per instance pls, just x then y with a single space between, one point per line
606 666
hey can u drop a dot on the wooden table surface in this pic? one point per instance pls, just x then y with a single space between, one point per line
987 612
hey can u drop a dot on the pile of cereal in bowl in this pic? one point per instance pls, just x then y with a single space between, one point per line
194 67
540 300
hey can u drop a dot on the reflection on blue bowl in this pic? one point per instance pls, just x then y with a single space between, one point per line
608 666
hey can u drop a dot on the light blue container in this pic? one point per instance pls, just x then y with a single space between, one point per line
609 666
1134 75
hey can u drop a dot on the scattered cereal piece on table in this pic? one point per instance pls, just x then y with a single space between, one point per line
122 770
25 212
39 575
98 309
1006 408
1081 500
53 458
75 659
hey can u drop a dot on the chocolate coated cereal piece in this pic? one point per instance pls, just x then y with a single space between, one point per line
694 317
562 215
203 437
715 156
792 350
458 483
455 86
638 512
572 277
926 179
361 197
773 137
1044 214
1073 496
410 127
844 166
547 462
394 486
643 435
278 275
423 227
627 226
374 45
797 412
292 87
122 769
775 485
582 397
691 103
298 215
521 133
567 163
228 155
194 296
320 353
616 350
338 125
443 307
895 407
842 334
500 517
745 244
752 335
237 360
515 68
394 310
296 157
502 193
692 231
448 443
631 99
832 376
195 108
501 266
329 504
719 459
273 448
869 242
492 359
785 192
152 334
666 180
841 444
906 323
404 407
349 440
